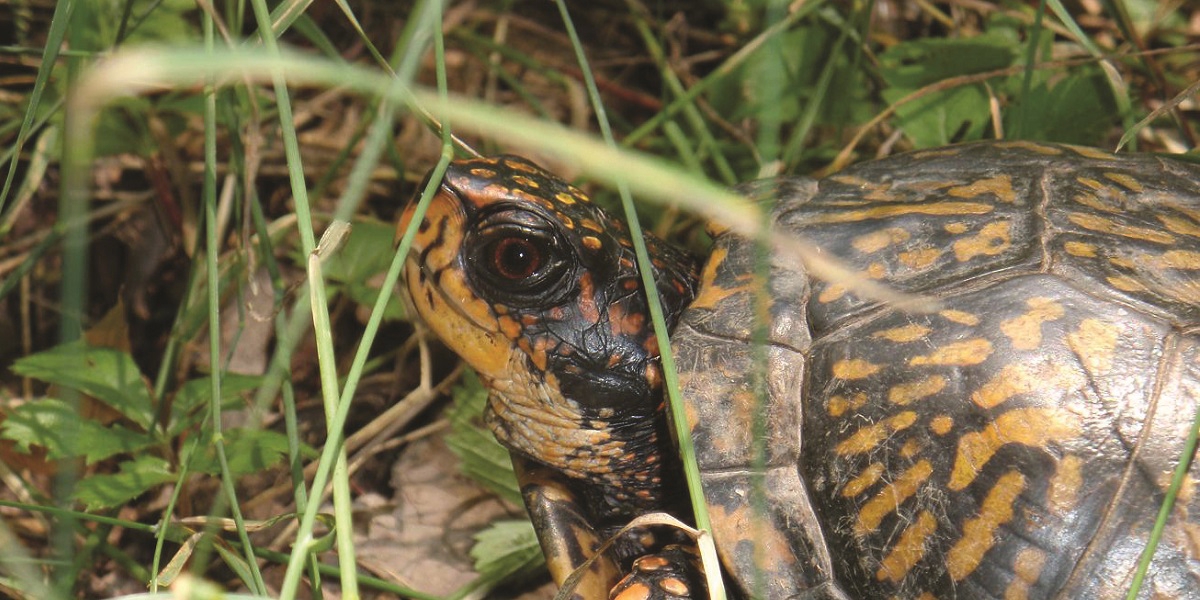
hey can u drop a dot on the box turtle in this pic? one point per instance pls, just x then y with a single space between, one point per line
1014 443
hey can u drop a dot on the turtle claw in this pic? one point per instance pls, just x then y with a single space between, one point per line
673 573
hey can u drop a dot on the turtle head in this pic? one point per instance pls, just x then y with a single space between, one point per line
538 290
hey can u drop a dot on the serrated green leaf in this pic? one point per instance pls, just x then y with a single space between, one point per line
58 428
507 550
482 458
247 450
135 478
105 374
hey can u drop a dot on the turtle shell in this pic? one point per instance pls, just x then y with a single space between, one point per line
1017 441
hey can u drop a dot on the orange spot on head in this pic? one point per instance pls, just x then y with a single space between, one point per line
587 300
592 243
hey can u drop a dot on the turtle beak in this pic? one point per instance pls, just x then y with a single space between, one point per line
438 290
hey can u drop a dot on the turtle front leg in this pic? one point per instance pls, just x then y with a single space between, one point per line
567 538
673 573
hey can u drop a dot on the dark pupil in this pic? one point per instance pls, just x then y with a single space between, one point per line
517 258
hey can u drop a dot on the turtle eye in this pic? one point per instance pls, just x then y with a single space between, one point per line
518 258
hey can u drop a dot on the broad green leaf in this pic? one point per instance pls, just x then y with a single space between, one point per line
483 458
135 478
956 114
362 260
194 395
1079 109
507 550
248 451
51 424
105 374
366 252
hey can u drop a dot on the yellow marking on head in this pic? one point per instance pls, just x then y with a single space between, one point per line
894 210
1180 225
838 405
1000 186
587 300
1063 493
509 327
854 368
1023 378
919 259
903 334
964 353
941 424
992 239
525 181
889 499
1125 180
592 243
908 550
907 393
1025 331
863 480
956 228
960 317
482 173
1037 427
869 436
1080 249
1095 343
564 198
592 225
1105 225
979 533
880 239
